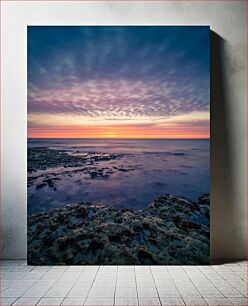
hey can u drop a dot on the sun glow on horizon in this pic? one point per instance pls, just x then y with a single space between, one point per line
192 125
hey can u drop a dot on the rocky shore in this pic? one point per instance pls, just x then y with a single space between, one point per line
47 166
171 230
42 158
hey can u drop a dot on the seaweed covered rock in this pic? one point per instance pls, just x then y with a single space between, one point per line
170 230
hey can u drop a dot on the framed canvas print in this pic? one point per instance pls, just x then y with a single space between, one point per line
118 145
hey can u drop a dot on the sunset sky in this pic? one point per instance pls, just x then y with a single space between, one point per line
118 82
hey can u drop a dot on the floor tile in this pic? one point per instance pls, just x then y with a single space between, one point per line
79 291
127 285
85 280
104 283
230 292
166 301
165 284
210 292
73 301
107 292
217 301
42 268
239 301
58 291
164 292
194 301
121 301
189 292
58 268
13 292
27 301
126 275
149 301
125 269
99 301
38 290
50 301
147 292
126 292
148 283
7 301
108 269
75 269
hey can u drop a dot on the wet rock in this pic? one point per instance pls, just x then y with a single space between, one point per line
62 242
43 158
84 212
176 219
164 232
207 215
145 257
95 246
118 219
49 182
127 232
178 154
146 225
53 225
115 238
40 186
204 199
137 226
190 225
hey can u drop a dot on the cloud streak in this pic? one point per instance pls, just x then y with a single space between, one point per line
121 98
118 73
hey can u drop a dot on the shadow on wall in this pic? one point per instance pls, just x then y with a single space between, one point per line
223 224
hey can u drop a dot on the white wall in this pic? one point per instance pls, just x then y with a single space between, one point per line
228 102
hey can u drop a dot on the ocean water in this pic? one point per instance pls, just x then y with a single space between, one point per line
176 166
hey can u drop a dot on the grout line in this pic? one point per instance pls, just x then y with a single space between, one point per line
92 284
174 284
211 282
38 300
233 303
115 284
71 286
136 284
14 301
227 281
155 286
245 280
185 271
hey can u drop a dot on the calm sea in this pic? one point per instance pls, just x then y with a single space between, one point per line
179 167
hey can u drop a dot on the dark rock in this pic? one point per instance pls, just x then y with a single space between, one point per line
43 158
118 219
95 246
146 225
40 186
204 199
127 233
176 219
114 238
84 212
145 257
190 225
93 234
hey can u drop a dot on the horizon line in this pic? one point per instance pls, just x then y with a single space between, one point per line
206 138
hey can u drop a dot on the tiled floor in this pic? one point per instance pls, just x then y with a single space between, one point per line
123 285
